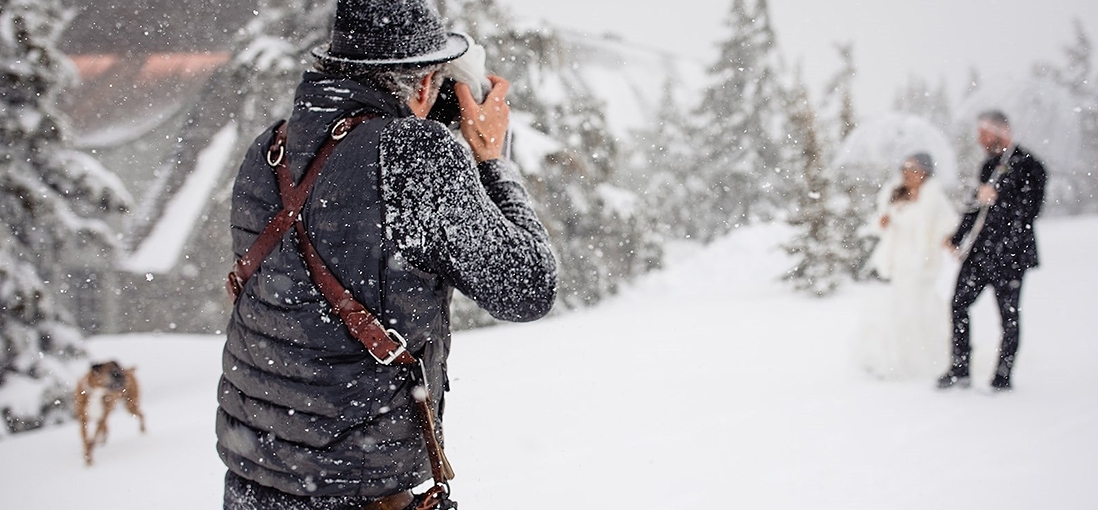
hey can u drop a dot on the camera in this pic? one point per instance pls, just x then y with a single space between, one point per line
468 69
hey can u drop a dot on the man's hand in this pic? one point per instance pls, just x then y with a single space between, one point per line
986 194
484 125
885 220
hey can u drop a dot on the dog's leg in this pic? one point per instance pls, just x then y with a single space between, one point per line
131 406
131 393
101 426
87 440
80 405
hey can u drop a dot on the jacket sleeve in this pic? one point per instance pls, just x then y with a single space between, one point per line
1033 192
968 220
471 225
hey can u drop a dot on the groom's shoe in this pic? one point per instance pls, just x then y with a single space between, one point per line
951 379
958 372
1000 383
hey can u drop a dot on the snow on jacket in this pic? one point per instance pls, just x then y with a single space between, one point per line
402 216
1007 241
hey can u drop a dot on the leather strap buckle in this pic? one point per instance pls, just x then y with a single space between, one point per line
402 347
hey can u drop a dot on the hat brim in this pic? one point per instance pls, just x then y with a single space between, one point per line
456 45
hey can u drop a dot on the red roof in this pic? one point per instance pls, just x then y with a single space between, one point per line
118 91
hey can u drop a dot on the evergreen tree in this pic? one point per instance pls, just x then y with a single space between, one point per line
839 97
741 123
601 236
664 160
962 136
268 53
822 246
1078 77
932 104
838 120
248 94
53 205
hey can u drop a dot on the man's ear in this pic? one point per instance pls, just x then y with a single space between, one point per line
425 87
421 100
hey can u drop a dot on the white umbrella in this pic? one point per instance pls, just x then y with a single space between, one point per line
876 148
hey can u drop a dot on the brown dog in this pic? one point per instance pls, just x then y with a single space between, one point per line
96 394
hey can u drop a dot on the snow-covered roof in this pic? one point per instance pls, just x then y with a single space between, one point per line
160 251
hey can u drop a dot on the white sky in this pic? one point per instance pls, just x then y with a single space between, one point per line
934 39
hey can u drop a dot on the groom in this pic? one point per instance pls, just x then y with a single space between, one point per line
997 245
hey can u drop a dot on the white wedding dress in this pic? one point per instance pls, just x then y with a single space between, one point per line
905 332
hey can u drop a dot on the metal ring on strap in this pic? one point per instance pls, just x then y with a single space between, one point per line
339 131
277 160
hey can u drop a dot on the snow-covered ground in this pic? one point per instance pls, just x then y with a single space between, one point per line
707 385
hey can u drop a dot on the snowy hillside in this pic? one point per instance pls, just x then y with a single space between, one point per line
707 385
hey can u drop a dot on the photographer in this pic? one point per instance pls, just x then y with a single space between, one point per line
308 416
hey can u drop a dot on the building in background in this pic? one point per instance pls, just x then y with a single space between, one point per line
143 69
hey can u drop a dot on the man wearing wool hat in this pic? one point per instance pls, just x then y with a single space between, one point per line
310 415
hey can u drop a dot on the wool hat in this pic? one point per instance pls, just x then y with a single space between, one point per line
389 33
923 160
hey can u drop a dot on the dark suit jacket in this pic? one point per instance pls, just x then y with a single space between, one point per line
1007 241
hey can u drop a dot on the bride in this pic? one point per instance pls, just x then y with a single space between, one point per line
906 331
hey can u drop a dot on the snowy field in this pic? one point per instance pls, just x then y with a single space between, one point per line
707 385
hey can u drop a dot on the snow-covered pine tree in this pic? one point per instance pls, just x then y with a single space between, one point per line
249 93
601 235
267 56
919 98
664 158
838 100
836 121
962 138
741 124
821 248
53 202
1078 77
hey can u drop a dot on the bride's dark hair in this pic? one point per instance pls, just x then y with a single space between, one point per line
900 194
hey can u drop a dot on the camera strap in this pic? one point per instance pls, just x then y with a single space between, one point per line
293 199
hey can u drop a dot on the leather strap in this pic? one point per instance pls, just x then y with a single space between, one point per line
271 235
293 199
362 324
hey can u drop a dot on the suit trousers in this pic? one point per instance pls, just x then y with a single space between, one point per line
977 272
